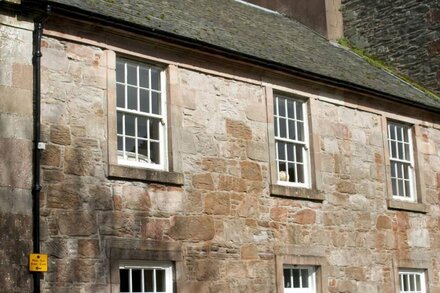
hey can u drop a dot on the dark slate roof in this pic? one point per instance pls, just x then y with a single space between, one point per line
255 33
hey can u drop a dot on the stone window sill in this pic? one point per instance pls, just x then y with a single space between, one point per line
416 207
296 192
148 175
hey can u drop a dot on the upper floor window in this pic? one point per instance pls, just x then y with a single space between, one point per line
412 281
151 277
299 279
401 161
141 114
291 141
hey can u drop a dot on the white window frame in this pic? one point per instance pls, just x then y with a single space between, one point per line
408 165
283 179
411 275
149 265
122 158
311 280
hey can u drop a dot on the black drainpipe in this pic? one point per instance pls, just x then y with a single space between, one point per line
36 188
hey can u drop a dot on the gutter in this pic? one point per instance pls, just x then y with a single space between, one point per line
75 13
38 146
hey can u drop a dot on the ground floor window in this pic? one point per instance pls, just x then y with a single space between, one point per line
146 277
299 279
412 281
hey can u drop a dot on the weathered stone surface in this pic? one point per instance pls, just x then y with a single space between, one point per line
78 161
230 183
238 129
305 217
192 228
249 251
16 163
64 196
135 198
88 248
100 197
60 134
51 156
76 223
217 203
203 181
250 170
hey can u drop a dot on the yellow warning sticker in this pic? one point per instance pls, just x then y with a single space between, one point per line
38 262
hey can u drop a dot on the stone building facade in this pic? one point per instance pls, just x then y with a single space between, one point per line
405 34
220 216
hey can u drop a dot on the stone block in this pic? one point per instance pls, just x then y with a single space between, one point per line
346 187
383 222
203 181
249 251
192 228
257 151
76 223
217 203
154 228
88 248
305 217
51 156
208 270
214 165
238 129
22 76
248 207
278 214
64 196
15 201
16 100
15 126
135 198
100 197
169 200
119 224
60 134
79 162
250 170
16 163
230 183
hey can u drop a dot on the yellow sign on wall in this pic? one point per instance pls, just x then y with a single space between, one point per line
38 262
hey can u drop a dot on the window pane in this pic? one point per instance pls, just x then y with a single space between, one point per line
290 152
144 101
130 147
418 283
155 154
155 103
299 153
136 280
281 107
405 282
290 109
305 278
119 122
300 173
292 172
407 154
120 143
148 279
394 184
393 169
154 129
143 151
131 74
296 276
283 128
120 71
120 96
276 127
392 131
299 111
143 77
292 129
300 126
411 283
142 127
400 187
129 125
160 281
155 79
400 150
132 98
399 133
393 149
287 278
281 152
124 279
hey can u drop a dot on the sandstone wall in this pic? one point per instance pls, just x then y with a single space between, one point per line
223 224
15 153
406 34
